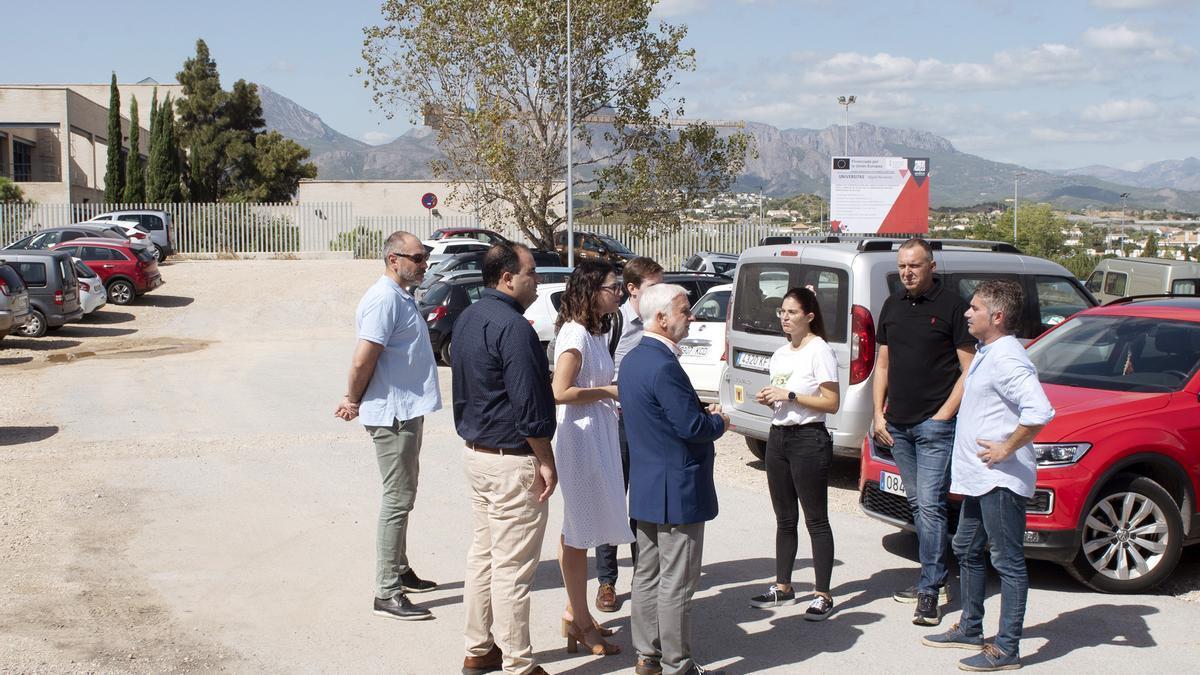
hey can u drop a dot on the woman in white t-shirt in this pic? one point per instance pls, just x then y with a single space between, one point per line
803 390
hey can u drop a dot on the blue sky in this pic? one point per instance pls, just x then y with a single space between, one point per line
1047 84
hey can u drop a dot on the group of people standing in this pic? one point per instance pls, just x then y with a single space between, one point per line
618 429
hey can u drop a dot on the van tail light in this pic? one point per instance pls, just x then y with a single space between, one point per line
728 327
58 297
437 314
862 344
3 287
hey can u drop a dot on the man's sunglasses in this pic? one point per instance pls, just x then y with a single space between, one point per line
418 258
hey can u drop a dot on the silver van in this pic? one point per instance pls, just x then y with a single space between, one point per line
852 278
157 224
1123 277
53 288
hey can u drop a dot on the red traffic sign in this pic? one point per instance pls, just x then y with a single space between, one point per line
429 200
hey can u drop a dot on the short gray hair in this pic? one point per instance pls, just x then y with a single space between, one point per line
395 242
1004 296
657 300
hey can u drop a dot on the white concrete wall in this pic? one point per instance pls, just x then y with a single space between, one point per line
388 197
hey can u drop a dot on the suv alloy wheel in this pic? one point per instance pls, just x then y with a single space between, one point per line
1132 537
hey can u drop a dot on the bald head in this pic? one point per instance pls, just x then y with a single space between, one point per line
397 241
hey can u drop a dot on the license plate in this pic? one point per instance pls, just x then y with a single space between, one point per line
891 483
751 361
694 350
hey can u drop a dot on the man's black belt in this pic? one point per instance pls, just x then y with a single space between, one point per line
524 450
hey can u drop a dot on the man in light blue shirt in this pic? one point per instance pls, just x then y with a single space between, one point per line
393 383
994 469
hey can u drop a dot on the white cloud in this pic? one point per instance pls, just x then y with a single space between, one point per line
1131 4
1008 69
673 8
1120 37
1068 136
1120 111
377 137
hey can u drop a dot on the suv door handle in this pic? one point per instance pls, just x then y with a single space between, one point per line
107 267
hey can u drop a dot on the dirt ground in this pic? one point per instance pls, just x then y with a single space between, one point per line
150 452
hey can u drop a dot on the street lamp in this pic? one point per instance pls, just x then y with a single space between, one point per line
845 102
760 206
570 154
1016 177
1124 198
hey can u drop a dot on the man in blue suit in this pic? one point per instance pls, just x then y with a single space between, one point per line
671 491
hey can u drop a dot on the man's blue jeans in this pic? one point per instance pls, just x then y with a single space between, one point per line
996 519
922 453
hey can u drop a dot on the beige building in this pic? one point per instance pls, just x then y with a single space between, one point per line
390 198
54 138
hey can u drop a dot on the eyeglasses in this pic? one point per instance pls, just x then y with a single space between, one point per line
615 288
781 313
418 258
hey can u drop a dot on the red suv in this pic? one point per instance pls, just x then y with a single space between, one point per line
126 272
1119 466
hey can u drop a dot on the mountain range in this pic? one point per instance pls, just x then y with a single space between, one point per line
792 161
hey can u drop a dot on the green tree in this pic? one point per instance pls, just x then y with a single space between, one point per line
200 124
10 192
490 76
278 167
163 179
1150 250
114 169
135 169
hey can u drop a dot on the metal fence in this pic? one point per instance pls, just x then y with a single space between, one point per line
296 228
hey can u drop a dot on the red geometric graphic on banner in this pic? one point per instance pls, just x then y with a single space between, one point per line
910 213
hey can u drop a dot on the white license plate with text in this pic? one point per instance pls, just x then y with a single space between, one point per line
891 483
750 361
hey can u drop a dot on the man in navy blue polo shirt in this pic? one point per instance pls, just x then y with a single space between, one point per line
924 353
504 410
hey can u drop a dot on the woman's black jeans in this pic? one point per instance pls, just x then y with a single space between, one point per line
798 459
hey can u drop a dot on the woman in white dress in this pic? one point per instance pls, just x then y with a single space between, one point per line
587 453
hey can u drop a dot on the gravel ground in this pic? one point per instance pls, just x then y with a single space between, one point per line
106 423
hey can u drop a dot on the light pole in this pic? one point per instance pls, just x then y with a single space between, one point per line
760 207
1016 177
570 155
1124 198
845 102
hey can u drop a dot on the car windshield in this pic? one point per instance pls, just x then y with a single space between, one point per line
614 245
436 294
1119 353
712 307
83 271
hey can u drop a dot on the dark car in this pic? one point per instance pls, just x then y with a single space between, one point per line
14 300
472 260
46 238
49 277
695 283
443 303
592 246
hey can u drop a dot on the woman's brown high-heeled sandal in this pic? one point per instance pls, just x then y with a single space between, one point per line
601 648
605 632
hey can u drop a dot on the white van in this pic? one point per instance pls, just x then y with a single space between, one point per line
1123 277
852 279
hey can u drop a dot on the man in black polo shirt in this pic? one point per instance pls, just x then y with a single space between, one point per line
924 353
504 410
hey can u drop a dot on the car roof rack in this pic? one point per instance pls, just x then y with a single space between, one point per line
940 244
1149 296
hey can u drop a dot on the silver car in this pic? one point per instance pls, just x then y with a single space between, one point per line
14 301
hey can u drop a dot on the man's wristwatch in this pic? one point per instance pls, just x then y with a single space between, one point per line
791 396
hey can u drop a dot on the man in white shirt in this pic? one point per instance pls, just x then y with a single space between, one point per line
393 384
995 470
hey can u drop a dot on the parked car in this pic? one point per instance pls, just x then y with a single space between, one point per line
14 301
46 238
92 293
695 283
126 272
441 249
473 260
851 280
479 234
443 303
1121 277
591 246
432 279
717 263
156 224
1119 465
703 348
544 311
49 277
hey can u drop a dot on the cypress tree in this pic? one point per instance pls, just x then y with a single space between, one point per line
114 169
201 124
172 155
153 183
135 170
